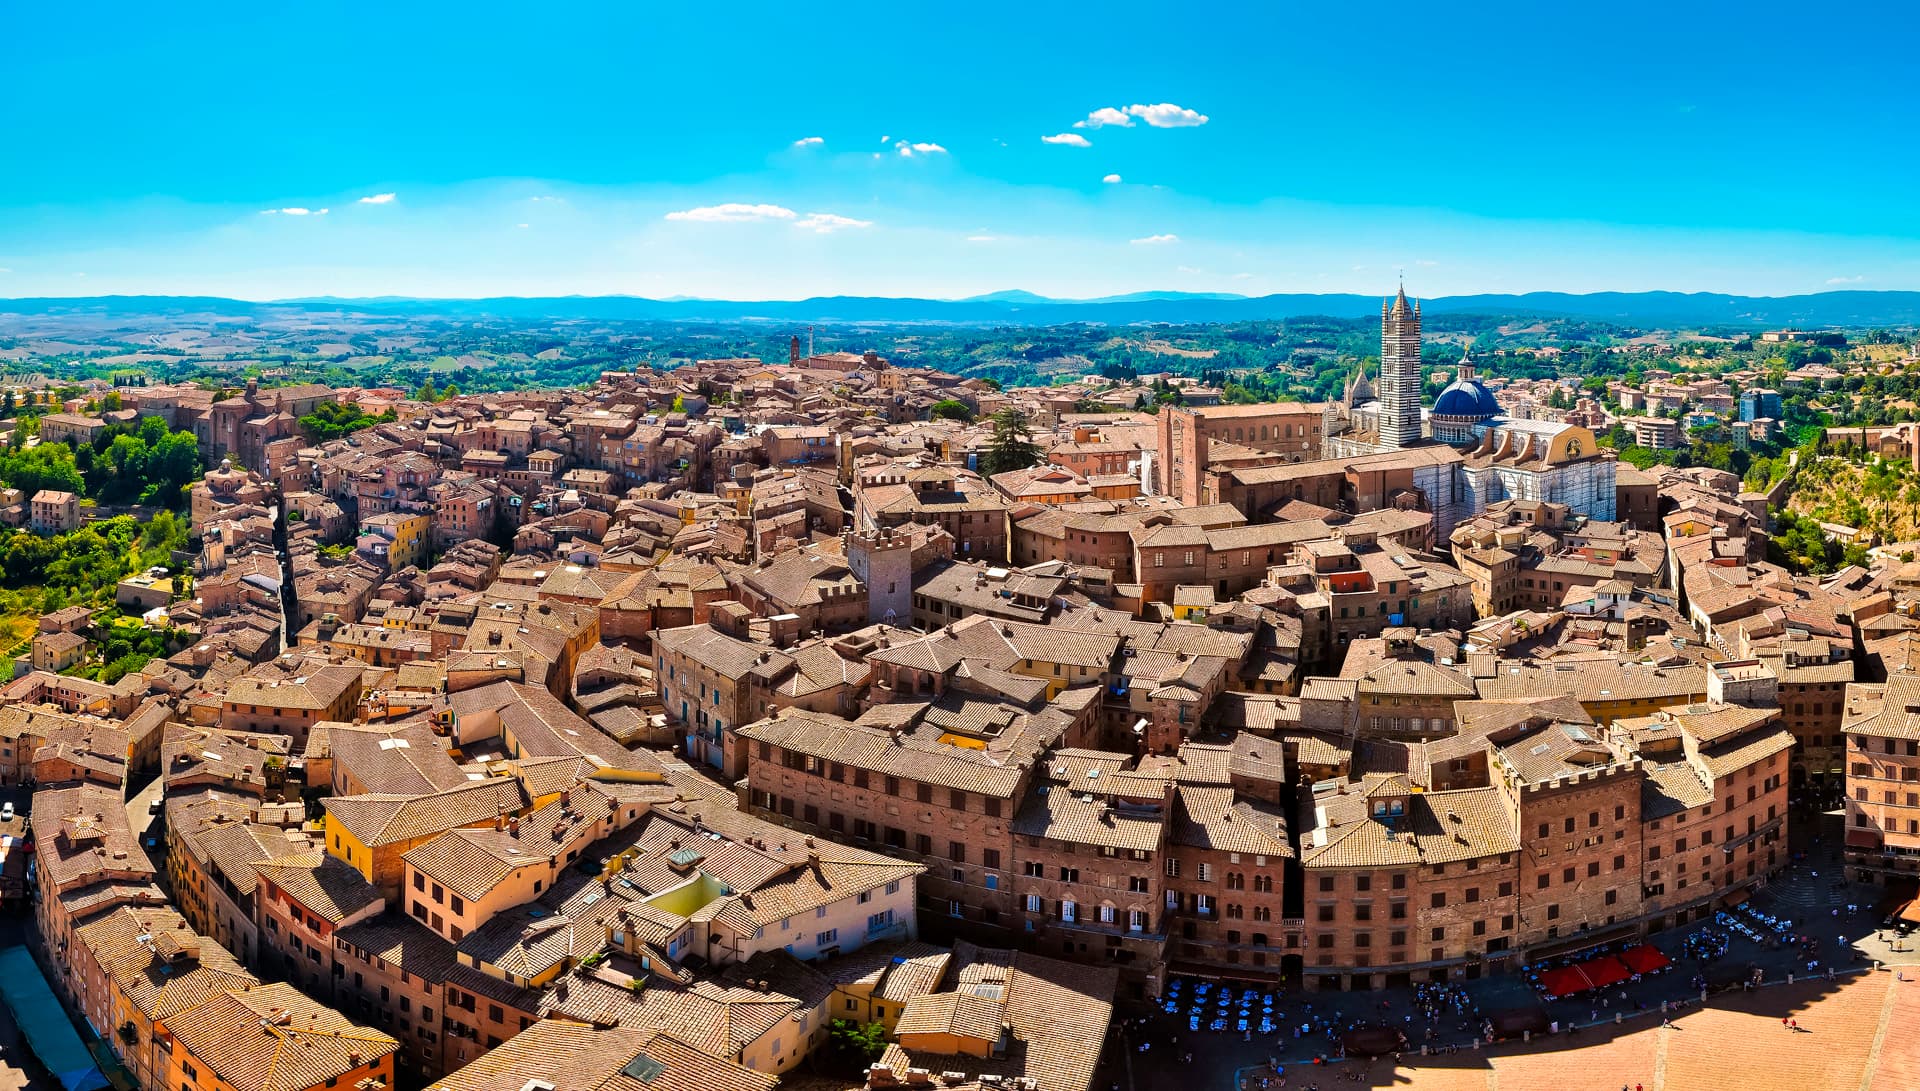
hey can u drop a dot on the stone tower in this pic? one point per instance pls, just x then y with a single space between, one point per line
885 564
1399 384
793 349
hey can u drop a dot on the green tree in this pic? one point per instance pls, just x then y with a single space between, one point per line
1012 446
950 409
854 1046
331 420
46 466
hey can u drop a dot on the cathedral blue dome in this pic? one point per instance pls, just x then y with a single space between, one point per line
1466 398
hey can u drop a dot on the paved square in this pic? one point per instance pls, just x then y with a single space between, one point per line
1851 1037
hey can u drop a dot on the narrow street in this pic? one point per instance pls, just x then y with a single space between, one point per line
20 1070
145 821
287 611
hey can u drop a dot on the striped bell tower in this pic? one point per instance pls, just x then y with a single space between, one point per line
1399 383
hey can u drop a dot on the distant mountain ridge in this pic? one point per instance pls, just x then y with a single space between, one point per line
1015 307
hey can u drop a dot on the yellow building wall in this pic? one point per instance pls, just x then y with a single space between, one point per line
344 846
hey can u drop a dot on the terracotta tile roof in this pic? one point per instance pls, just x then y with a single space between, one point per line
220 833
542 726
1718 723
1314 749
582 1057
189 753
404 758
158 963
712 649
708 1016
1211 818
471 861
82 836
805 888
529 940
273 1038
892 971
545 776
1739 752
1056 1011
962 1015
1597 679
917 754
316 689
1671 787
387 819
1437 827
401 941
1891 713
326 886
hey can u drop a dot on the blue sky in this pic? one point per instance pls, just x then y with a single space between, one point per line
778 151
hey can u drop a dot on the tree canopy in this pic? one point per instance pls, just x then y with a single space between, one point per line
1012 446
951 409
332 420
144 463
46 466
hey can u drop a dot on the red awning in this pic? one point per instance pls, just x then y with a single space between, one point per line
1644 959
1911 911
1605 971
1565 981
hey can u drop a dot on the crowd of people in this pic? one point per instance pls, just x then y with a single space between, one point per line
1706 945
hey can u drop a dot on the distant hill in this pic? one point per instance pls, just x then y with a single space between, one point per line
1641 309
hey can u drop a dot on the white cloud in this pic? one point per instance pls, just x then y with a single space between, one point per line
1071 139
1189 270
1425 261
732 213
295 211
1155 240
909 148
1105 115
809 141
1165 115
825 223
547 197
1111 179
321 211
1243 276
970 238
378 199
886 140
1160 115
4 270
1846 280
522 225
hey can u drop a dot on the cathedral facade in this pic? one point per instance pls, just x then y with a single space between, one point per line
1501 458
